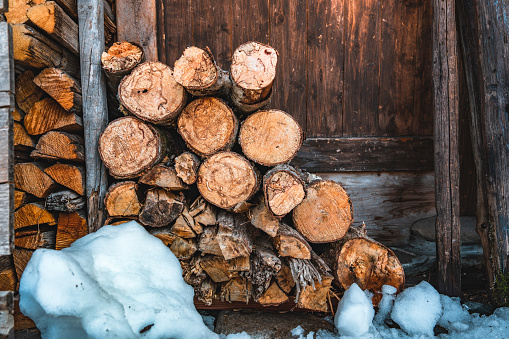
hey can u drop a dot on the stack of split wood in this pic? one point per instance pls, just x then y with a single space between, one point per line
200 162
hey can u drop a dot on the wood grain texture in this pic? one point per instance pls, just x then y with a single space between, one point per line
136 22
250 22
446 101
95 111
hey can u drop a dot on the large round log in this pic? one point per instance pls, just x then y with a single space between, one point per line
208 125
253 71
326 214
270 137
129 146
283 189
151 93
227 179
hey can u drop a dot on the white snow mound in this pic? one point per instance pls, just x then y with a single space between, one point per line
417 309
355 312
119 282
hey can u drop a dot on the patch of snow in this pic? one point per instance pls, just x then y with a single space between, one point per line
209 320
385 305
119 282
355 312
297 331
455 317
242 335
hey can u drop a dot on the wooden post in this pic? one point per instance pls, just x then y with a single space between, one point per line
95 109
483 32
446 103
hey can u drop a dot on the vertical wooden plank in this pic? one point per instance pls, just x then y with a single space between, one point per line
174 29
6 140
325 68
212 27
398 67
446 102
250 21
362 52
95 109
288 35
136 22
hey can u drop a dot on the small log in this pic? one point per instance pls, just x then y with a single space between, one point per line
234 235
47 115
197 71
284 278
186 166
8 278
27 92
208 243
34 50
217 268
17 114
22 140
185 226
283 190
265 265
192 272
56 145
122 200
21 258
290 243
20 199
161 208
242 207
151 94
62 87
68 175
183 248
52 19
30 177
227 179
263 219
206 291
65 201
71 227
315 297
325 215
128 147
32 214
164 177
270 137
203 212
38 240
240 264
252 72
163 234
237 289
273 296
18 9
120 59
208 126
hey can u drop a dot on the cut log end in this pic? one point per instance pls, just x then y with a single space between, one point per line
196 69
283 190
164 177
121 200
186 166
161 208
121 57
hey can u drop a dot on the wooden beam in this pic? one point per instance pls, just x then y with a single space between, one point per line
446 103
365 154
95 109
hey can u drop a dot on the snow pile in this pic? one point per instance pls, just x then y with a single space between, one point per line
119 282
299 332
355 312
455 317
385 305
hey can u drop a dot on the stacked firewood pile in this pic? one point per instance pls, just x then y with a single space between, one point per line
204 166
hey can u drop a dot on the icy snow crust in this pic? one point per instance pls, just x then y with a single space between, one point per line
119 282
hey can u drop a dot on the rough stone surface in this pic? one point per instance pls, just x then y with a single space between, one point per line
269 325
425 228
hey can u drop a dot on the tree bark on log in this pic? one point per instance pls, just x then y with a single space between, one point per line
56 145
290 243
62 87
161 208
208 243
234 235
283 189
65 201
187 165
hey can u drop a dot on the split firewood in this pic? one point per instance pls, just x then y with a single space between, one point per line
183 248
263 219
65 201
192 271
325 214
52 19
273 296
284 278
237 289
27 92
47 114
164 177
30 177
203 212
68 175
128 147
217 268
161 208
252 71
187 165
22 140
8 278
62 87
265 265
164 234
21 257
56 145
290 243
206 291
234 235
110 28
122 200
71 227
120 59
32 214
185 227
270 137
283 189
240 264
208 244
17 114
151 94
227 179
18 9
208 125
38 240
315 297
197 71
34 50
21 198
